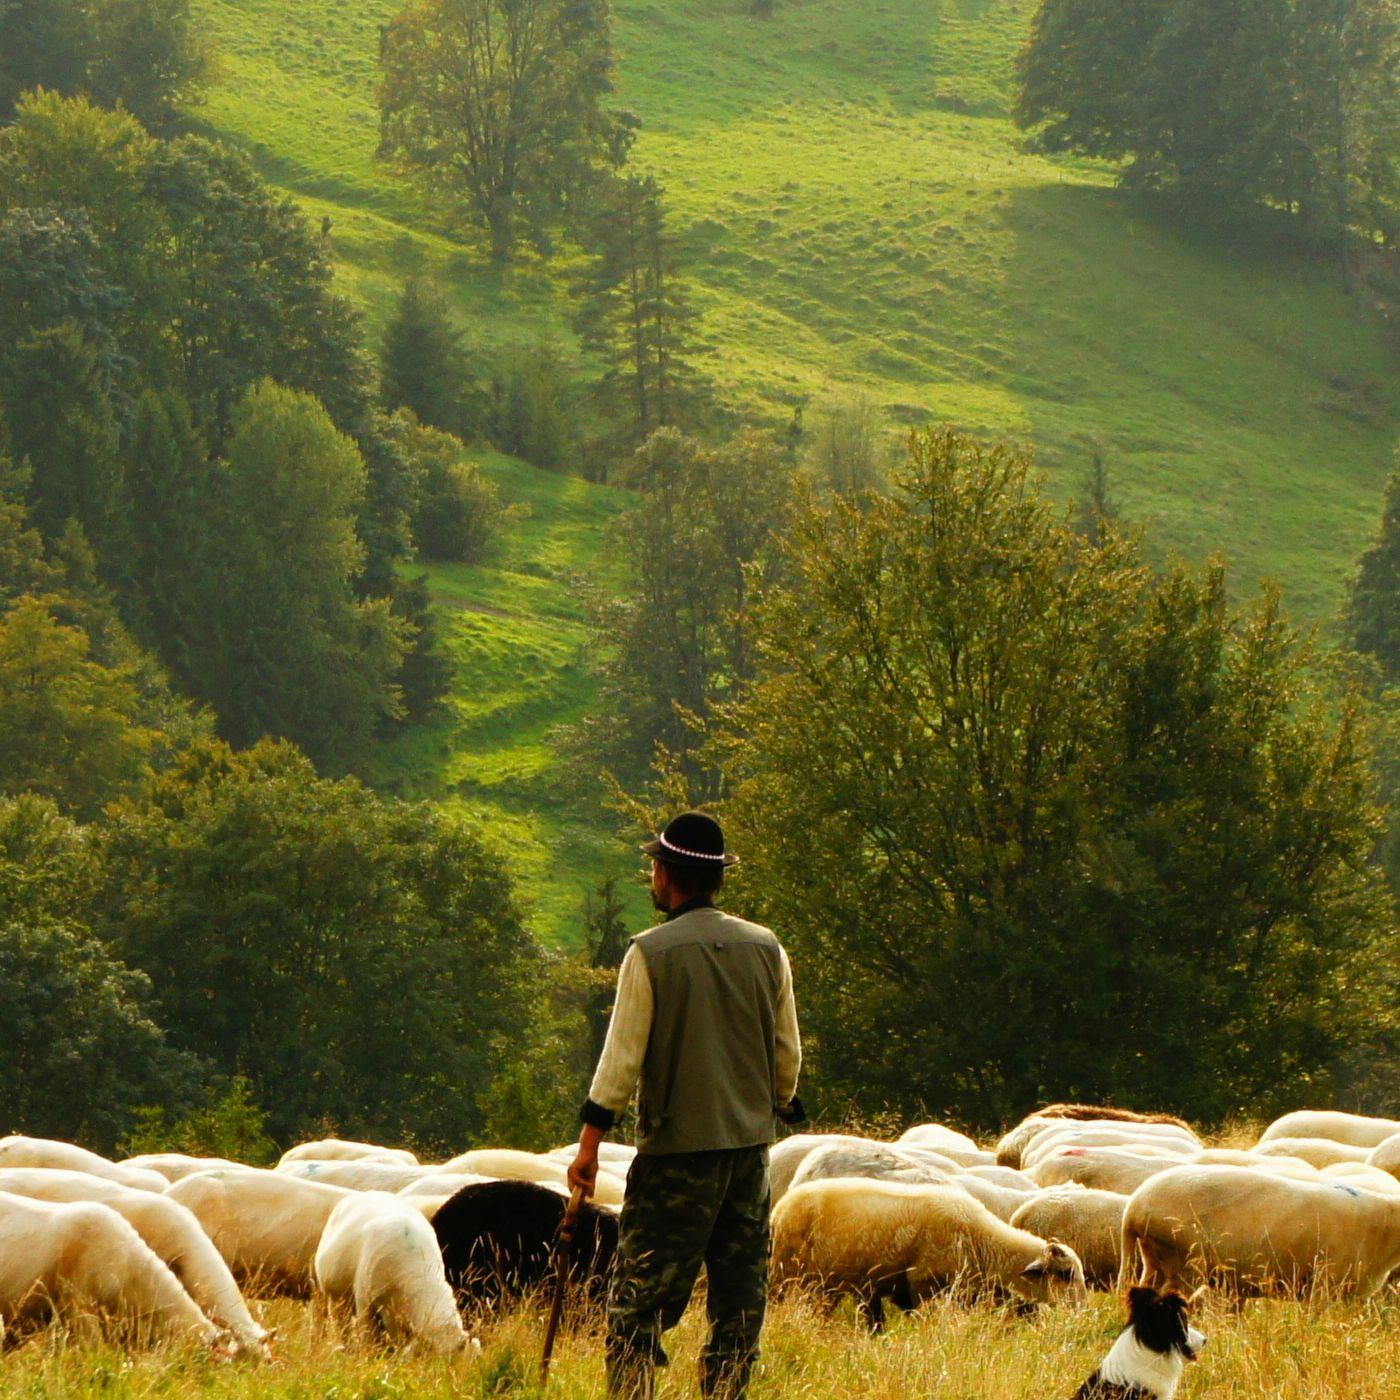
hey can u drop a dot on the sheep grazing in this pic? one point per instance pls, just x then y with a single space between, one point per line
18 1151
508 1164
1147 1360
1257 1232
1099 1168
1070 1119
496 1240
170 1230
878 1240
379 1256
871 1160
341 1150
1316 1152
363 1174
952 1144
175 1166
1002 1201
266 1225
785 1158
1349 1128
82 1259
1164 1142
1090 1222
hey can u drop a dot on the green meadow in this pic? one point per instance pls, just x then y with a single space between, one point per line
859 214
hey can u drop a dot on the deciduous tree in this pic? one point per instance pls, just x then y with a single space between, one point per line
498 105
1037 824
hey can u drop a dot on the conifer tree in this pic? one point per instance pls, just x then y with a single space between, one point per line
635 313
424 366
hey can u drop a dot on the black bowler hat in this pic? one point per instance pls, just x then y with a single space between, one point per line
692 839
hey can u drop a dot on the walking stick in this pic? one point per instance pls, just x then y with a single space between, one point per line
563 1249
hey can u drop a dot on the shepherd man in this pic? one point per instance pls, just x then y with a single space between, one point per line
705 1028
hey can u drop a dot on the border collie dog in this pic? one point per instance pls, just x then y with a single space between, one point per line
1147 1360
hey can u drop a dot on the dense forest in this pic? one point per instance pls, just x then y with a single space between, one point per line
1005 772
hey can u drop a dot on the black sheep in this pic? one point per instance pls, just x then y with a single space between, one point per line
496 1239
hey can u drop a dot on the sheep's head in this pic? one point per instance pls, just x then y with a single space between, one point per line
1055 1276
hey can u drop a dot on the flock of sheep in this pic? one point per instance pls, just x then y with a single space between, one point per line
1071 1199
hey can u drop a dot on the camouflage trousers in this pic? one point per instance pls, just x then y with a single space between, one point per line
682 1211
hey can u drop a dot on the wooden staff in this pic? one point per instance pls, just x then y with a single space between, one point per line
563 1251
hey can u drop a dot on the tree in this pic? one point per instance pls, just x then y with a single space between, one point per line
291 651
63 424
457 512
424 367
357 960
1038 825
1371 615
148 56
498 104
676 643
634 313
1291 102
82 1048
43 44
69 727
144 55
844 447
168 482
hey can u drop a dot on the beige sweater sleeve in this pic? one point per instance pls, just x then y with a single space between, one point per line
789 1041
620 1064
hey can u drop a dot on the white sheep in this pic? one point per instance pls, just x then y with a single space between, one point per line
1386 1155
80 1259
1008 1177
380 1256
1167 1143
1258 1232
20 1151
509 1164
1235 1157
265 1224
885 1239
174 1166
785 1158
363 1174
1010 1148
952 1144
873 1160
1100 1168
343 1150
171 1231
1002 1201
441 1184
1316 1152
1089 1221
1351 1128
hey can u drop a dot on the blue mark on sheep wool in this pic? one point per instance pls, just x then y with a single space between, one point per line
1349 1190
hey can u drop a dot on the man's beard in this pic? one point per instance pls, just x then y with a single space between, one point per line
658 903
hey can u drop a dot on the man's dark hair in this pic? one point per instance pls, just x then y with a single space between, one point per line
695 881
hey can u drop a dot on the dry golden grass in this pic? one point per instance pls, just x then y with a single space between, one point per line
1281 1351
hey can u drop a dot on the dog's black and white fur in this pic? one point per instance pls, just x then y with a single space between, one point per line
1147 1360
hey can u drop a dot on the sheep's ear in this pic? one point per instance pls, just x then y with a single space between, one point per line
1057 1250
1035 1269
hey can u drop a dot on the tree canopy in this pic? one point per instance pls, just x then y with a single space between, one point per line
1040 825
1289 102
498 106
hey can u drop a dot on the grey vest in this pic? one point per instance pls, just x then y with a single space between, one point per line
711 1061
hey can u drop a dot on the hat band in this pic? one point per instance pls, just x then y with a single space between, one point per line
694 855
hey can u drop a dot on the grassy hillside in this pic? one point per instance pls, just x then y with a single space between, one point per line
515 630
859 214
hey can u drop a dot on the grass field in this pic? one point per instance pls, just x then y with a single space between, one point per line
859 214
1272 1351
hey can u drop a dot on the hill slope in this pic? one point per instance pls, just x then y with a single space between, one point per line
859 214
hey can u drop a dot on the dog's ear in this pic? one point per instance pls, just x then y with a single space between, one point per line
1140 1295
